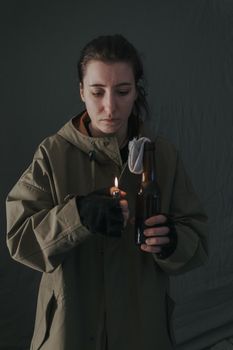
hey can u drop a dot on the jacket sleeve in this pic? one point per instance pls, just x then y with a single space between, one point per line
191 226
39 231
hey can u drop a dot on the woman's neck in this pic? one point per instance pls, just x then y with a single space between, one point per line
122 141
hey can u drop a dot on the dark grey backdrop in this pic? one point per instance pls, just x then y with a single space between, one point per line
188 54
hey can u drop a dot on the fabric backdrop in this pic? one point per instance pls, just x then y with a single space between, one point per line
187 49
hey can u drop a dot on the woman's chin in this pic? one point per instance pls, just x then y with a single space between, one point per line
109 130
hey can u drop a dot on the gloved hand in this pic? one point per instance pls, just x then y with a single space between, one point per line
101 213
160 236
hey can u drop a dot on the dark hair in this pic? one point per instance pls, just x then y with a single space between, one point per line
116 48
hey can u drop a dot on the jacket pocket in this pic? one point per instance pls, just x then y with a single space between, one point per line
170 305
43 325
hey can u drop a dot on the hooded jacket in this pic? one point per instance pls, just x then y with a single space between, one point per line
99 292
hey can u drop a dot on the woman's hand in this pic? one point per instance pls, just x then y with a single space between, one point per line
156 237
103 214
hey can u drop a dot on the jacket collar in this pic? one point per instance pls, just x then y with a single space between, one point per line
101 148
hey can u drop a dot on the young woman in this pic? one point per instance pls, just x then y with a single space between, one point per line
99 290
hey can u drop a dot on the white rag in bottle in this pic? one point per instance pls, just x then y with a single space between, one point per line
135 158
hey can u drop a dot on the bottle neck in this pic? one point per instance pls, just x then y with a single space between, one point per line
149 174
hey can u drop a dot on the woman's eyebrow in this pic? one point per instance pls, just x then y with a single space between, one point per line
117 85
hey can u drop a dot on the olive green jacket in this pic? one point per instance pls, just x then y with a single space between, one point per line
96 289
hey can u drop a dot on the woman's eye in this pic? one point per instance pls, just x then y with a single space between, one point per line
97 93
123 92
101 93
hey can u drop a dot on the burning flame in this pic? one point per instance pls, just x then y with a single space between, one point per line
116 182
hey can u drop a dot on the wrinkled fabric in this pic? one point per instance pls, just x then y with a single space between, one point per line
97 289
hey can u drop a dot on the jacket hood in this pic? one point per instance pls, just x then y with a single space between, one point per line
100 149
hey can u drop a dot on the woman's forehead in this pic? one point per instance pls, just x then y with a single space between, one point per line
105 73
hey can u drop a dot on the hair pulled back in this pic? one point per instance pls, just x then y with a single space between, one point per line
116 48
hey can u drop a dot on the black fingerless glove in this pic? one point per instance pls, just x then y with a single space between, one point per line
101 213
168 248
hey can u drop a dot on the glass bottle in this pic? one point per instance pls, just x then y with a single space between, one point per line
148 197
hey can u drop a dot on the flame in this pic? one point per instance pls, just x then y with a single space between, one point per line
116 182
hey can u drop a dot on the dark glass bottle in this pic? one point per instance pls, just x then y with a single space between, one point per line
148 197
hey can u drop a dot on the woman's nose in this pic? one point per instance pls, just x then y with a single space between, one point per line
110 105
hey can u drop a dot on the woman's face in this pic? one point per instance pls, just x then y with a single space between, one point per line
109 92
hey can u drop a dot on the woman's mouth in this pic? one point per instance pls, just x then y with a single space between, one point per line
109 121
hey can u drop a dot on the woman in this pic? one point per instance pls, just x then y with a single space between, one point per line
98 289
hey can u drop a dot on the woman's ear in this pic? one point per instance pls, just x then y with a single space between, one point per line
81 91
